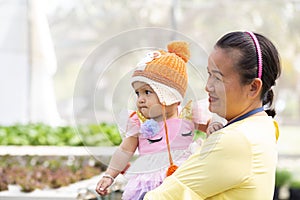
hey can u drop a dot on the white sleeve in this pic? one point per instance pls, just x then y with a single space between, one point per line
217 118
201 114
129 124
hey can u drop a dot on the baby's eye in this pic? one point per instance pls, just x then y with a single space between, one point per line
148 92
137 94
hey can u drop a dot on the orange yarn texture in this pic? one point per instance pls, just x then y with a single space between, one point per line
170 68
181 49
171 169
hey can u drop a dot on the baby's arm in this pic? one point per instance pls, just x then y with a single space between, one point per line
118 163
201 115
205 120
213 124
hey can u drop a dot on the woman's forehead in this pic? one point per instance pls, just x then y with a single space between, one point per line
221 61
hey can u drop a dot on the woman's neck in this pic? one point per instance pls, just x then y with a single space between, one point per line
248 110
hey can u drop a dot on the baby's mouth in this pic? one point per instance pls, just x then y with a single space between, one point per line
142 108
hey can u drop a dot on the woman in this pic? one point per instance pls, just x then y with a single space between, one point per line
238 161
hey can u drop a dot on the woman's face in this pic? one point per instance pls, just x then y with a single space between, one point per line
227 96
147 101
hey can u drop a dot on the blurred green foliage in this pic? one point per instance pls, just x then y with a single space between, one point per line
41 134
295 184
282 177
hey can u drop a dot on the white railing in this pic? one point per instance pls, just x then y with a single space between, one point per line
56 150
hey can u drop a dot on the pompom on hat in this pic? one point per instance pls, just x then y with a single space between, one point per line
165 72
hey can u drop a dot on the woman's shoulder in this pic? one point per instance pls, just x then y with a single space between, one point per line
250 128
225 143
232 135
254 124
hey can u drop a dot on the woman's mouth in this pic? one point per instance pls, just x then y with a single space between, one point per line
212 99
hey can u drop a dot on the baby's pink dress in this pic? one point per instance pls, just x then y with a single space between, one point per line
149 169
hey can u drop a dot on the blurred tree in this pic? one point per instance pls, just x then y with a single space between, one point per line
80 26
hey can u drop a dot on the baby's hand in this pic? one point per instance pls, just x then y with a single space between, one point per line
103 185
213 126
216 123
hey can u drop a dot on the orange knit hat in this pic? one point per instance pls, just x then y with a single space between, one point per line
165 72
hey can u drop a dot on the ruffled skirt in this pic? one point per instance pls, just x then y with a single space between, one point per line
148 172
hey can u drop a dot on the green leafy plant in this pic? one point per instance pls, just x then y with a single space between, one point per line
103 134
294 189
295 184
282 177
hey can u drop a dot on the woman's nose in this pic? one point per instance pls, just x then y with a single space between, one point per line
209 85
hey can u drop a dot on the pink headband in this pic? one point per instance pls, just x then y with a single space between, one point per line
258 51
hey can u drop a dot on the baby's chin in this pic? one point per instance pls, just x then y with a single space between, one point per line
144 113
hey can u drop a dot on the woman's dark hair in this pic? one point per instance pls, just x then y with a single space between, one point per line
247 63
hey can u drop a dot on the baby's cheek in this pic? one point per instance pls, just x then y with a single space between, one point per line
155 110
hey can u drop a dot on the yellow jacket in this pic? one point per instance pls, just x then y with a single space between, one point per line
236 162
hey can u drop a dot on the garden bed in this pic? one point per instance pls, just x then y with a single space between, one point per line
73 191
50 172
38 161
46 172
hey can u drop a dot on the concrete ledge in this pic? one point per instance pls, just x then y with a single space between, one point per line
56 151
69 192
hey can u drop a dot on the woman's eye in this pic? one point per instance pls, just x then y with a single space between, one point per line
218 78
215 77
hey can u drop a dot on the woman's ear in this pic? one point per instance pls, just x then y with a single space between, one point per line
255 88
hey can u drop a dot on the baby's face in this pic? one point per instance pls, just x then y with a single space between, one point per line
147 101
